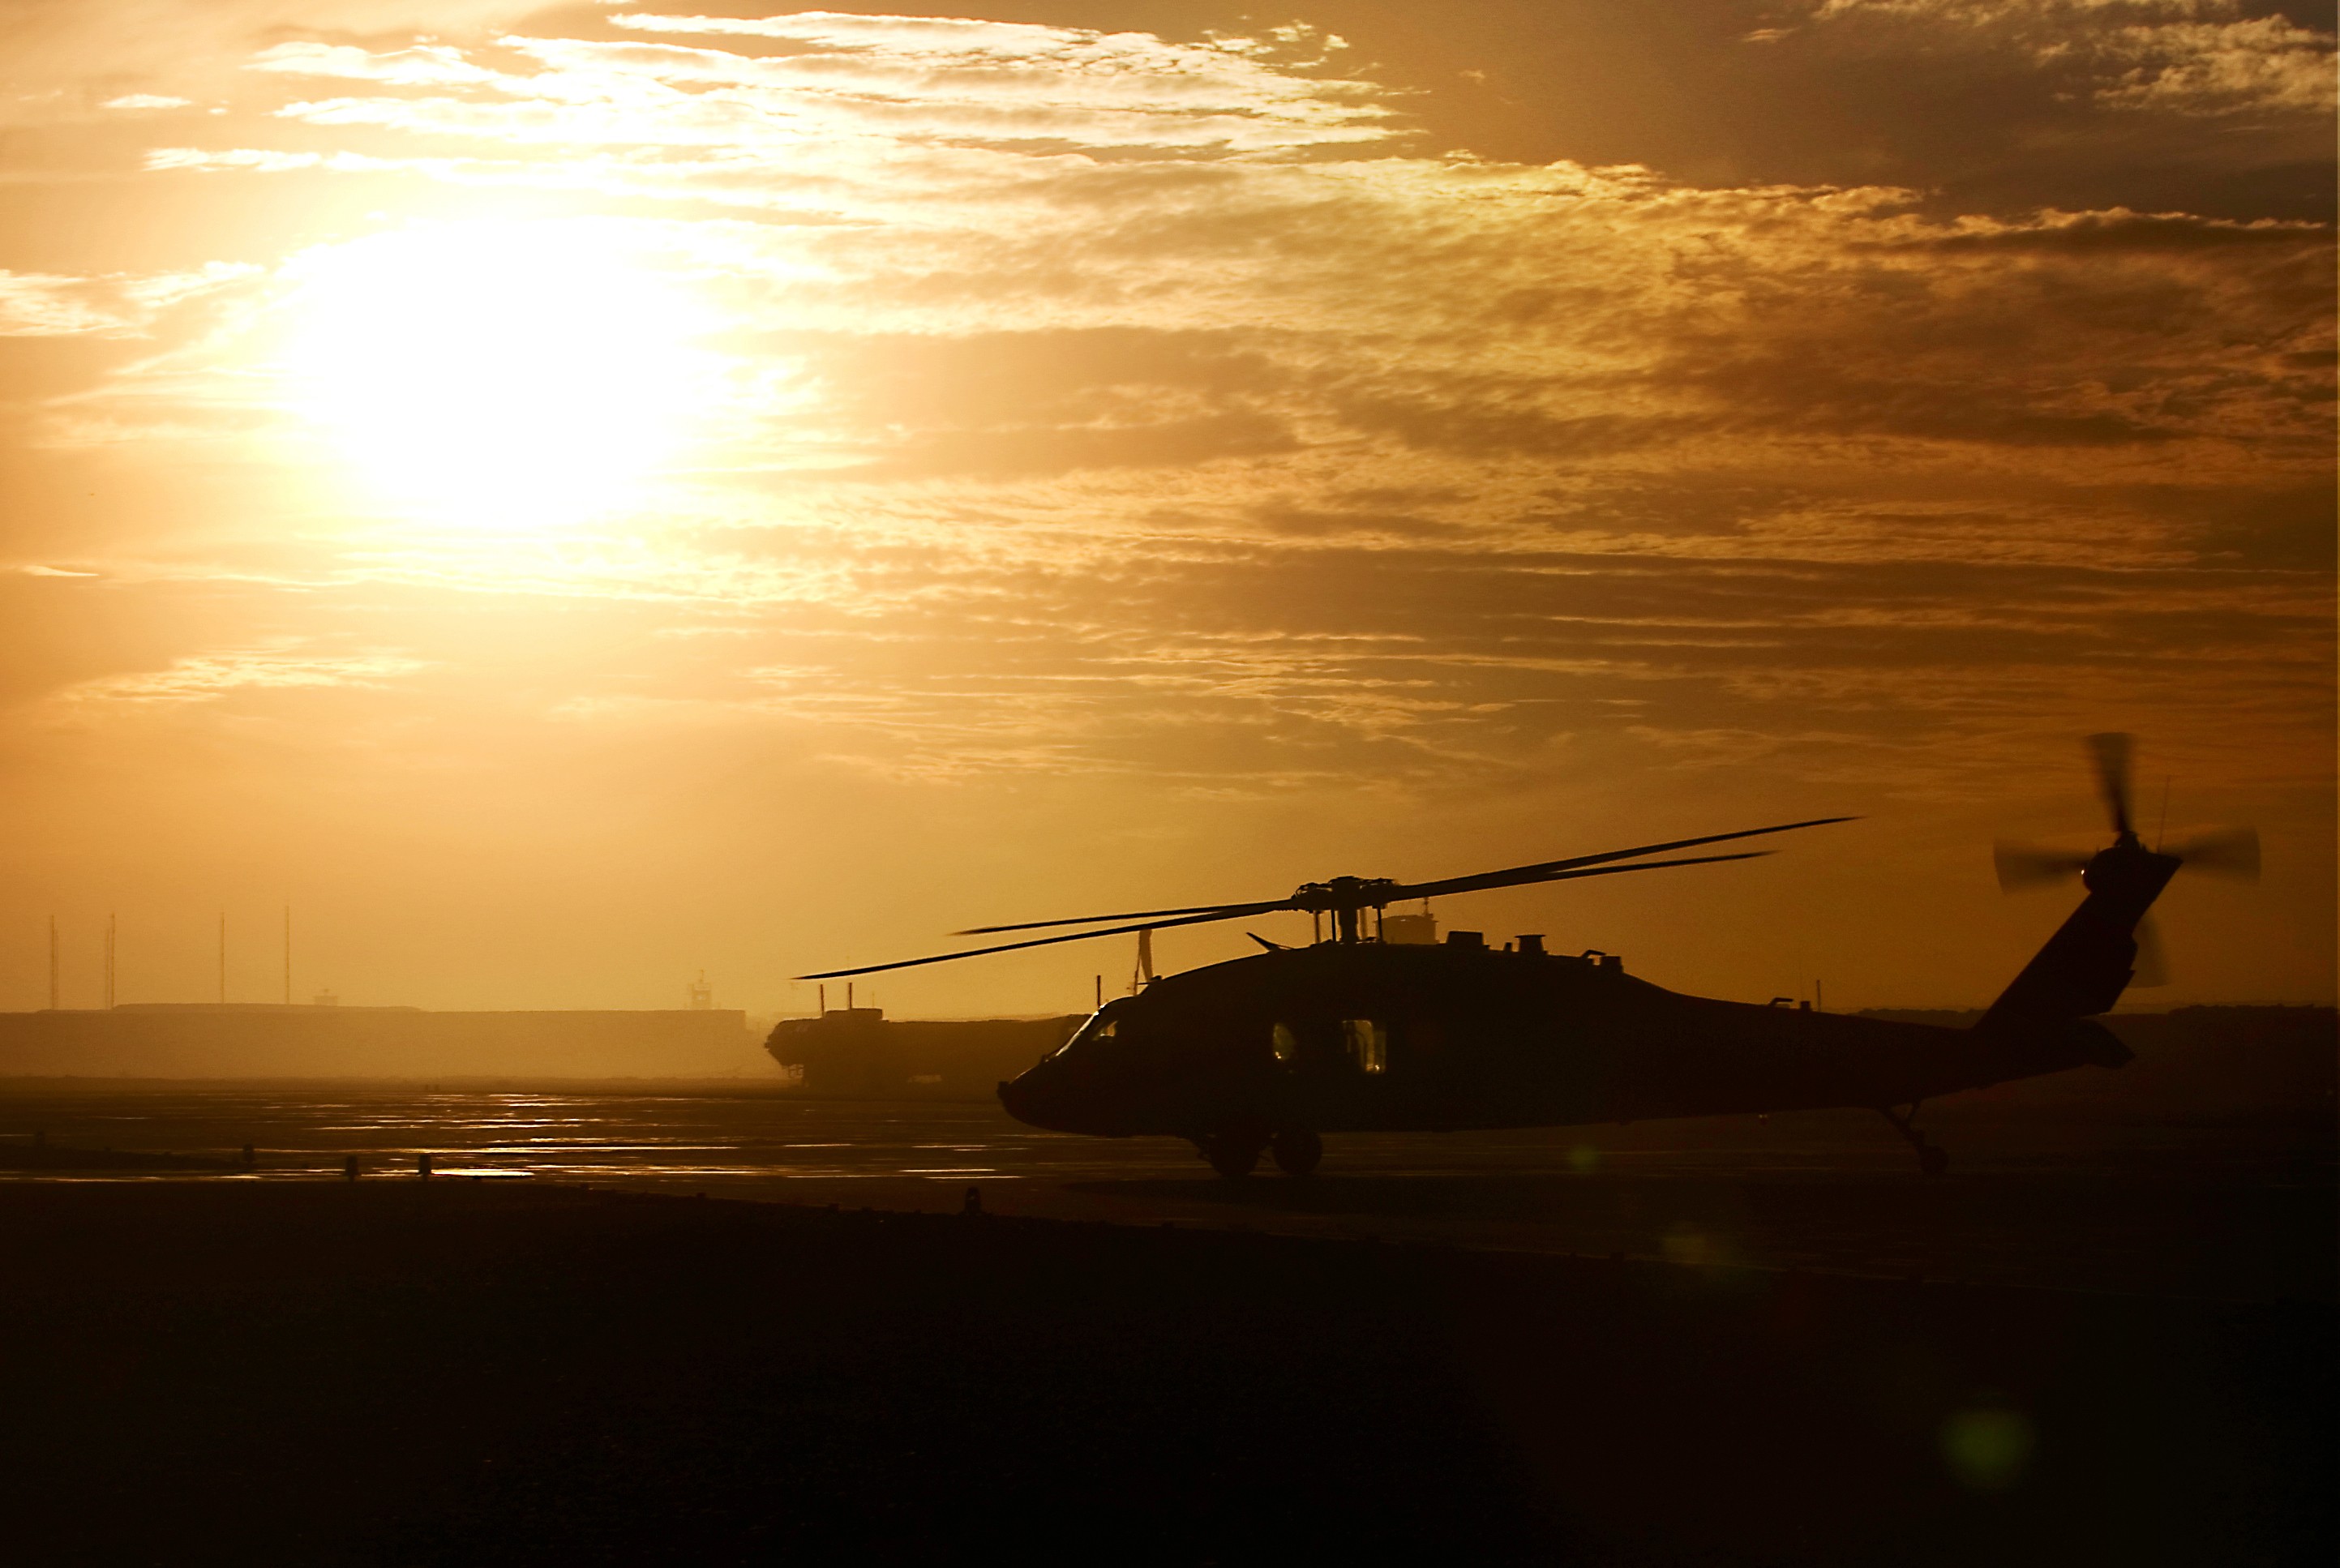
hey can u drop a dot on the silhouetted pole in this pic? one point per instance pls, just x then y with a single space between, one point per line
288 955
1100 995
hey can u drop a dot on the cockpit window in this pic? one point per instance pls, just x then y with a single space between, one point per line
1102 1025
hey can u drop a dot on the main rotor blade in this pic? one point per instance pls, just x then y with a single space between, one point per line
1542 871
1637 866
2020 866
2233 852
1548 870
1091 919
2112 753
1230 912
1237 912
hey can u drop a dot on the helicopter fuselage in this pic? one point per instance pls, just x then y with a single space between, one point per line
1350 1036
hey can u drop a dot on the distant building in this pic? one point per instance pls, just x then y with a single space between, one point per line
855 1053
303 1040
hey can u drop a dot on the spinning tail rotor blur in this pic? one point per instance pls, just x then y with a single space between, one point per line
2227 852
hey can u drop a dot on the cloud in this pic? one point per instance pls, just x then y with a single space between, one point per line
419 65
905 77
1103 405
2191 57
59 58
212 677
35 305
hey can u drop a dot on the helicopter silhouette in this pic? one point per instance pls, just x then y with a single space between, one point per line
1267 1053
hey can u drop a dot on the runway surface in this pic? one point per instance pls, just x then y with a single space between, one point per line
2229 1210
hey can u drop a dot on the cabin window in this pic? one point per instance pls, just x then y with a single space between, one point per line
1285 1043
1368 1044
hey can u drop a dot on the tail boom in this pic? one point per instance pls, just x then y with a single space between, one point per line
2091 959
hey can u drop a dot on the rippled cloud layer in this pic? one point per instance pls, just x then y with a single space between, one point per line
1165 419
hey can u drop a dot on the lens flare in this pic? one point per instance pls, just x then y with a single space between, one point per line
506 377
1988 1447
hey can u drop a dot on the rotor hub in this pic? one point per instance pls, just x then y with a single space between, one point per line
1349 894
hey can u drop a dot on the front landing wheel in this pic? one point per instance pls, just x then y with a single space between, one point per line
1298 1153
1932 1159
1232 1154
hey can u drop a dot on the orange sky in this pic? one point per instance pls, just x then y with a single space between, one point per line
566 497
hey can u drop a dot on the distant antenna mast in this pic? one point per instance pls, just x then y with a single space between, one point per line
702 995
53 963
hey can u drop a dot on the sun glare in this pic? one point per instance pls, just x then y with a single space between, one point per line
506 377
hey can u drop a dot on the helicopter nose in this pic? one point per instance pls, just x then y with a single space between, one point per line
1042 1097
1026 1099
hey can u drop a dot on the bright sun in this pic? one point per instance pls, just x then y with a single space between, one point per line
508 377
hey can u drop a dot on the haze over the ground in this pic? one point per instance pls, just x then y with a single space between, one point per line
569 496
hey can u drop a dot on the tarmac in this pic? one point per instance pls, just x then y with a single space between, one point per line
712 1323
2236 1209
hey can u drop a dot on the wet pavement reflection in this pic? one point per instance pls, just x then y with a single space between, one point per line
2231 1210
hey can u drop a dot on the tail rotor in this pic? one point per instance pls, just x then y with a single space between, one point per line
2227 852
2111 754
2020 866
2151 966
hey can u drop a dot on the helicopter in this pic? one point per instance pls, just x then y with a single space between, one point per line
1356 1032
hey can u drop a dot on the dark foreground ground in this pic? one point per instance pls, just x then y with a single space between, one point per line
491 1372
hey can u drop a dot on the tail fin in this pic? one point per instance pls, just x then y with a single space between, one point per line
2092 956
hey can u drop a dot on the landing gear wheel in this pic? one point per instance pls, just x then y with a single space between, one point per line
1232 1154
1297 1153
1932 1159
